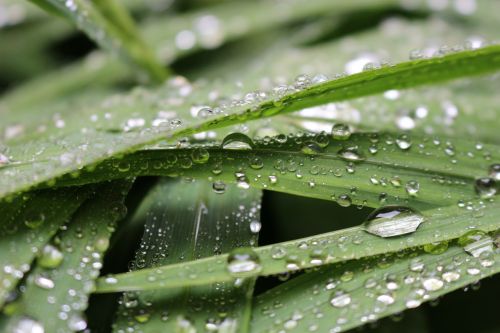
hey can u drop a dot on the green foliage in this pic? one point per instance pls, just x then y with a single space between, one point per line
315 99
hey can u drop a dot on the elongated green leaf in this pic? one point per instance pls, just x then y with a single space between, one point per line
55 293
354 294
79 149
185 221
112 29
27 224
382 168
439 225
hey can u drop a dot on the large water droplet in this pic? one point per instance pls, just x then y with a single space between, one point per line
26 325
350 154
485 187
341 132
237 141
44 282
50 257
390 221
311 148
340 299
200 155
243 262
494 171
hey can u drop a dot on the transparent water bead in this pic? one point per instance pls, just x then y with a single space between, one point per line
243 262
494 170
26 325
350 154
341 132
51 257
237 141
485 187
476 242
340 299
390 221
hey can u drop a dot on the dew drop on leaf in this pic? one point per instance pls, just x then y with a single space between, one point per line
390 221
412 187
50 257
340 299
243 262
200 155
27 325
350 154
237 141
436 247
219 187
494 171
341 132
485 187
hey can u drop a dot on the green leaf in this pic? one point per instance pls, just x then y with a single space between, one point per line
440 225
32 219
186 221
111 28
102 139
364 291
393 168
55 294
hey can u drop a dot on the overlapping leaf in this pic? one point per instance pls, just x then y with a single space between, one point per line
185 221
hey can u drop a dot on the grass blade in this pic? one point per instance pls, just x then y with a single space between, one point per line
48 292
111 28
105 142
441 225
372 290
428 173
32 219
204 222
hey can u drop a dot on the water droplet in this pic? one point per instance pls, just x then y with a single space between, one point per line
350 154
219 187
200 155
412 187
44 282
344 200
243 262
256 163
403 142
255 226
386 299
476 242
341 132
27 325
311 148
485 187
237 141
432 284
50 257
436 247
77 323
494 171
340 299
390 221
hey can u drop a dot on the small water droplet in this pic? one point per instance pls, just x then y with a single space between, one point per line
432 284
237 141
350 154
341 132
494 171
26 325
255 226
50 257
44 282
219 187
436 247
403 142
311 148
243 262
200 155
340 299
412 188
